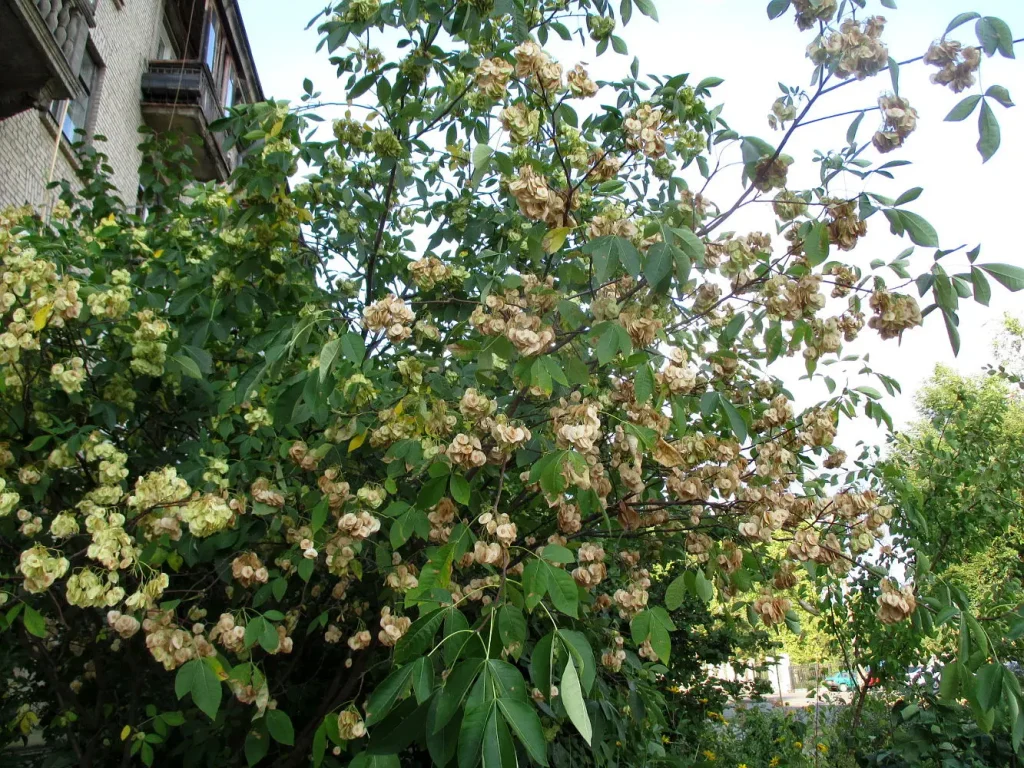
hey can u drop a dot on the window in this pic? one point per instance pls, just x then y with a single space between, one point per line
78 110
165 48
228 94
212 40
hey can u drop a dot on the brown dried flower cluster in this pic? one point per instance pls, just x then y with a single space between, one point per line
900 121
856 50
644 131
894 313
536 199
895 604
957 64
390 315
492 76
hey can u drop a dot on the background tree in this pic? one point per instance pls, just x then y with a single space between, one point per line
391 454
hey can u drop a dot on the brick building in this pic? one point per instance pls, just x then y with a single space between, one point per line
108 67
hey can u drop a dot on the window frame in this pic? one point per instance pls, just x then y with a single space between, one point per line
67 126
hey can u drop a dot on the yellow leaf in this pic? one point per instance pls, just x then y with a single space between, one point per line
158 253
41 316
356 441
667 454
555 239
217 667
125 732
276 129
399 408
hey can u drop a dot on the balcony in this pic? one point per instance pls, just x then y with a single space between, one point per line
181 96
41 47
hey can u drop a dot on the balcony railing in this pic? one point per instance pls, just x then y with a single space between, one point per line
41 47
182 96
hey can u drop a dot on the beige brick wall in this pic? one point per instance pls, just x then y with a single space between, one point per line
124 38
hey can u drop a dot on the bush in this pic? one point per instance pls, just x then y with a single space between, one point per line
276 492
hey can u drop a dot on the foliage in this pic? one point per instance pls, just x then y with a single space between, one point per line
932 732
276 492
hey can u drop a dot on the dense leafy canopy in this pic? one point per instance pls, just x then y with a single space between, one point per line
466 447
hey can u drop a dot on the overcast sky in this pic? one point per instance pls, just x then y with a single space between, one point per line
968 202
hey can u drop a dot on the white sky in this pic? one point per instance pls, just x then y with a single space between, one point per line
966 201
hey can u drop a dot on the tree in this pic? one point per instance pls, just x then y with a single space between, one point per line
409 509
955 480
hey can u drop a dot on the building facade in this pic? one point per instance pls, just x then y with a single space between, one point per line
72 70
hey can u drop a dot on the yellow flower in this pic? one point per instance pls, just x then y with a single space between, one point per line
798 744
709 755
742 765
774 762
666 740
823 748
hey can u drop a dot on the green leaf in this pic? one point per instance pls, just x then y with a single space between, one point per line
540 664
572 699
640 626
704 588
919 230
256 747
387 693
660 642
964 109
269 639
989 685
423 678
460 489
576 645
456 687
188 366
512 628
960 20
1009 276
556 553
471 734
777 7
988 132
432 492
420 636
1000 94
563 590
643 384
675 594
607 345
736 422
34 622
327 356
352 348
994 35
498 749
949 317
197 678
535 584
362 86
949 683
816 244
647 8
442 742
908 197
525 724
658 266
280 727
627 255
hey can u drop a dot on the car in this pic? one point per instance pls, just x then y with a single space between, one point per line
840 681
